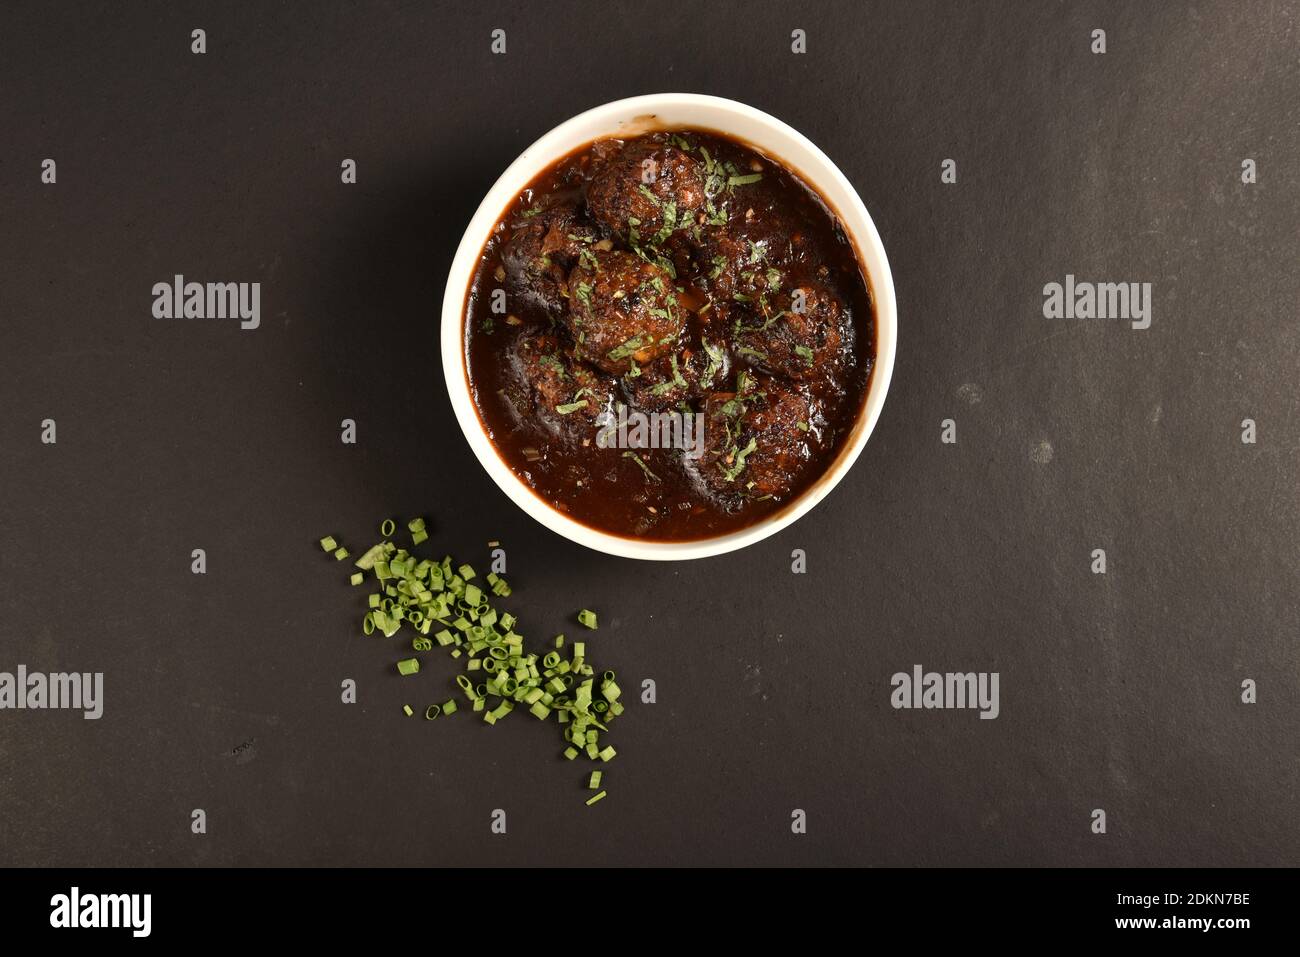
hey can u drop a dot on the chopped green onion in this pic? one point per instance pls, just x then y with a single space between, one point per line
599 796
610 690
443 606
387 527
367 561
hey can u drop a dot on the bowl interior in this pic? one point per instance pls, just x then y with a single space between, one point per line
629 118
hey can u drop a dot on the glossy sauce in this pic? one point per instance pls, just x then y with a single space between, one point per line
762 270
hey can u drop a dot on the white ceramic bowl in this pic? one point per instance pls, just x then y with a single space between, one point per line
628 118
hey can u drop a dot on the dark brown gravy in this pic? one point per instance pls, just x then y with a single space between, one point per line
772 334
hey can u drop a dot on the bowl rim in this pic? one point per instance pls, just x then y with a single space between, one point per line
558 142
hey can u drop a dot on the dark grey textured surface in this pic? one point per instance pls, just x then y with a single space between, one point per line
1119 692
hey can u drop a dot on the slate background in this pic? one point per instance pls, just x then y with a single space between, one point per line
222 691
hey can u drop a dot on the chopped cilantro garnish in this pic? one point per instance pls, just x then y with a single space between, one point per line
628 348
738 461
716 356
644 468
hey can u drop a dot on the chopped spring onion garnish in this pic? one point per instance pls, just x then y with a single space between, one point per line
598 796
436 599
